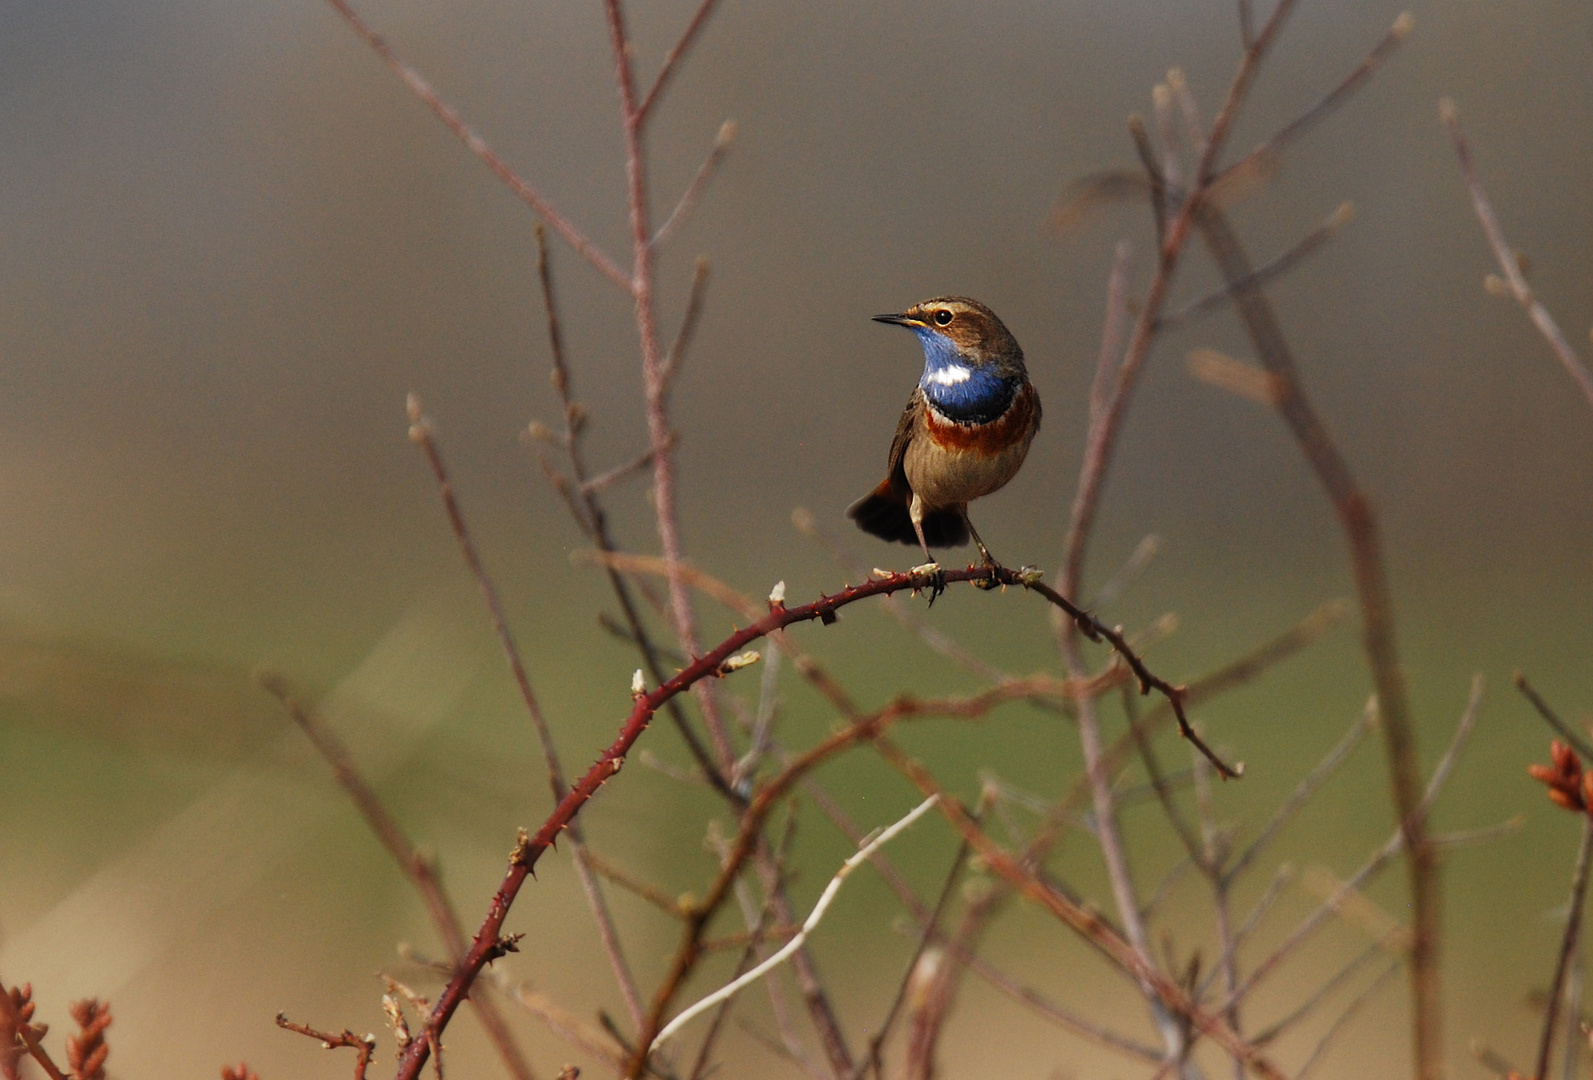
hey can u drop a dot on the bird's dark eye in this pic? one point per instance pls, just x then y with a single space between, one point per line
943 317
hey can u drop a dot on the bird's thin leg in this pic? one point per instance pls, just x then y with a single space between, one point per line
915 512
984 552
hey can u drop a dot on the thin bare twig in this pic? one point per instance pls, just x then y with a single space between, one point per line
1358 520
1085 921
694 190
1214 853
1321 992
1306 788
618 473
423 435
676 356
415 865
487 945
755 937
1380 858
819 908
931 635
929 929
1573 925
655 896
1258 160
1509 264
655 377
1577 742
589 515
478 146
1344 1017
365 1045
671 63
1308 245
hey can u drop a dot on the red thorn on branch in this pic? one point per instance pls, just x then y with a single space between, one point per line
1568 785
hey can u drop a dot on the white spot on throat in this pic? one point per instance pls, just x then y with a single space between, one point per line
949 375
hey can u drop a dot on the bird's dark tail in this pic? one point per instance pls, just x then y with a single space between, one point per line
883 512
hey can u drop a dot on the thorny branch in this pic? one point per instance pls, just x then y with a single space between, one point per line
487 946
415 865
1184 201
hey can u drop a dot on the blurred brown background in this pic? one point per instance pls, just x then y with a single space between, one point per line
230 242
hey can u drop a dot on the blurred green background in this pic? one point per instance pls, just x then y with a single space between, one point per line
231 241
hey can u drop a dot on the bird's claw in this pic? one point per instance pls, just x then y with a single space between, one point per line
936 576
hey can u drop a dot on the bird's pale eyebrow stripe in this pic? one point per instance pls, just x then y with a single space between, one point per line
950 374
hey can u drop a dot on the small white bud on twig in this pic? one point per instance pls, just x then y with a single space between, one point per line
638 683
777 594
1403 25
739 661
877 572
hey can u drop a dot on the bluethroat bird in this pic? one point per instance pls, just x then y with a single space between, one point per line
964 433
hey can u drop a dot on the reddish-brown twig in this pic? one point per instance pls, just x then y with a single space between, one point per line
688 38
655 379
478 146
587 509
421 432
1509 263
1380 858
1085 921
365 1045
1260 158
1106 421
415 865
487 945
16 1016
1359 522
929 930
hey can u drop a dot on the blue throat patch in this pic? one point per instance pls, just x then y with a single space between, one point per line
959 389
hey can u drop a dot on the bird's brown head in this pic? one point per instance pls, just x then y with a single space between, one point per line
972 330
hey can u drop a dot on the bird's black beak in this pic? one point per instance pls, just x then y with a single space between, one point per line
898 320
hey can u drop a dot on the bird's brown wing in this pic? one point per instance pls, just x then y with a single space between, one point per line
896 472
883 511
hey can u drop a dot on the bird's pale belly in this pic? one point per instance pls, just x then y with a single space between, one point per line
951 463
